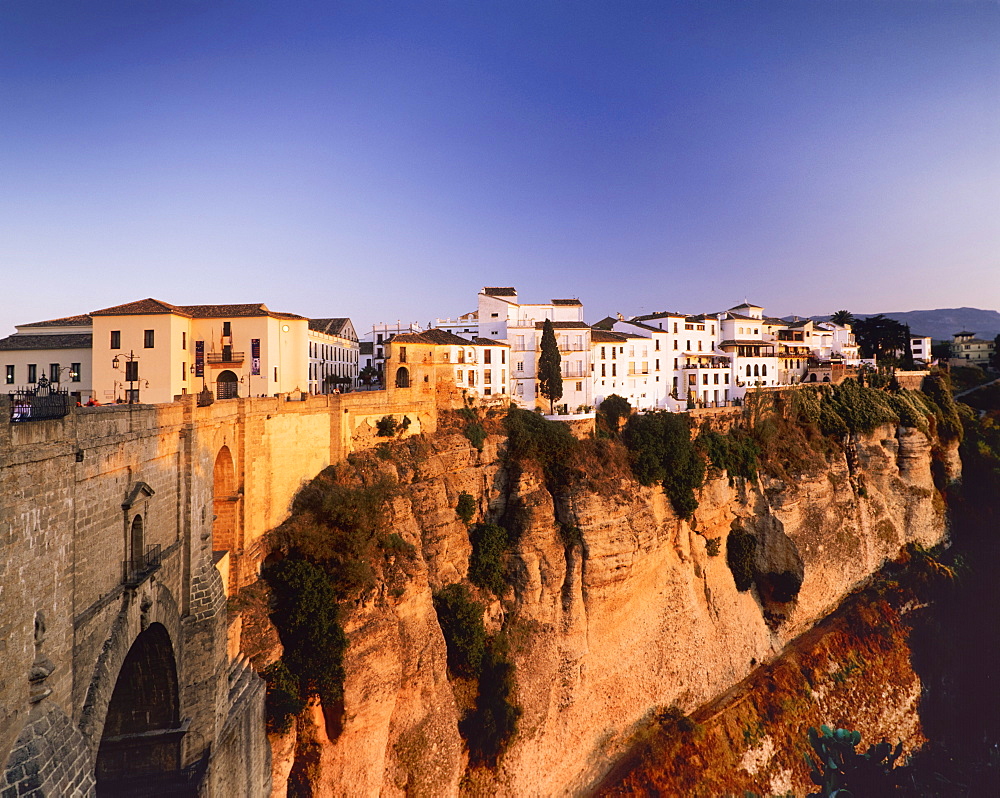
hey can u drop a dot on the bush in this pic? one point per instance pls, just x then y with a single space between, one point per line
613 410
461 621
532 437
663 452
486 565
466 508
284 697
493 723
476 434
386 426
735 452
713 546
937 388
306 615
740 549
841 770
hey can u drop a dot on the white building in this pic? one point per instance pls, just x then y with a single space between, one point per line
333 355
465 326
920 348
374 355
503 318
58 349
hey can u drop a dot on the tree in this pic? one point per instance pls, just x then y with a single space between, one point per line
996 353
881 337
613 410
550 367
842 317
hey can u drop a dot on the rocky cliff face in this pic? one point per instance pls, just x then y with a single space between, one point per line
637 613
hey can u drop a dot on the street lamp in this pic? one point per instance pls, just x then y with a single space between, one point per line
131 373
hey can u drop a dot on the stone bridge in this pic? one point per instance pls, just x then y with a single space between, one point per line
122 531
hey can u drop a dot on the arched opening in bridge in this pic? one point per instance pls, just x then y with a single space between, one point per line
224 501
402 378
140 749
227 385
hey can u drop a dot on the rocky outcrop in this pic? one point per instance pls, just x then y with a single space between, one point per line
639 611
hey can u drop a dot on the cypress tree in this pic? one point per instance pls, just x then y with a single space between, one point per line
550 367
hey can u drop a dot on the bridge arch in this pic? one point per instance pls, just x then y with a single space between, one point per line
141 742
224 500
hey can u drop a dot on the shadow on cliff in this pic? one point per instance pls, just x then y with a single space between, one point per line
955 642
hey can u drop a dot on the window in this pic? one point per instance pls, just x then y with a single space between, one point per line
748 369
763 371
579 386
657 366
687 348
487 356
614 370
147 339
699 346
275 373
488 376
10 375
131 370
184 340
520 365
602 353
675 343
657 344
32 372
227 328
184 372
53 372
603 370
402 354
503 356
116 339
494 315
716 378
675 362
675 331
459 375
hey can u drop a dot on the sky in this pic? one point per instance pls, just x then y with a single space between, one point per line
386 160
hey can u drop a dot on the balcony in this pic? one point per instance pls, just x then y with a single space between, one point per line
135 572
224 358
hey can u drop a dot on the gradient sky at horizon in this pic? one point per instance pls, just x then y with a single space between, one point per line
386 160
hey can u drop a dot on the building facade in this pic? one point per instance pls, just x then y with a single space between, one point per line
334 355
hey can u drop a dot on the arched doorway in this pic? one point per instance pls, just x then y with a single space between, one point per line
136 544
140 749
227 385
402 378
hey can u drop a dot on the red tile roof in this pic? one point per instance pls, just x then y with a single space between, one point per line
500 291
16 343
145 307
566 302
598 336
66 321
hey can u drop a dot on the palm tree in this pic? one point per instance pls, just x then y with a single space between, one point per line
842 317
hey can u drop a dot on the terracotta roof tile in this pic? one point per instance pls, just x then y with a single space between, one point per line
329 326
140 307
67 341
500 291
607 337
567 302
65 321
488 342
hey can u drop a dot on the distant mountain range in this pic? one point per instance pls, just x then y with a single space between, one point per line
943 323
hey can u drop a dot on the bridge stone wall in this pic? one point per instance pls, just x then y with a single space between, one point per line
71 490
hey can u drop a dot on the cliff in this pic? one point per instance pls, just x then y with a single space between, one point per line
616 608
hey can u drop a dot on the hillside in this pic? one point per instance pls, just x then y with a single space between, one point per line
943 323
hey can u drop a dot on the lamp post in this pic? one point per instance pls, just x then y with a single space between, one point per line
131 373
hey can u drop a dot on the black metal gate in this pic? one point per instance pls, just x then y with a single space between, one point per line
39 403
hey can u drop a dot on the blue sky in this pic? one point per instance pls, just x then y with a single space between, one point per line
386 160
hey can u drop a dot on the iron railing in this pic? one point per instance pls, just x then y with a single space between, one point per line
134 572
39 403
216 358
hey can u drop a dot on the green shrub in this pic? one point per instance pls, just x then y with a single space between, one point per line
613 410
461 621
466 508
740 549
532 437
306 615
664 452
937 389
713 546
386 426
486 565
735 452
570 535
840 770
476 434
284 698
489 727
